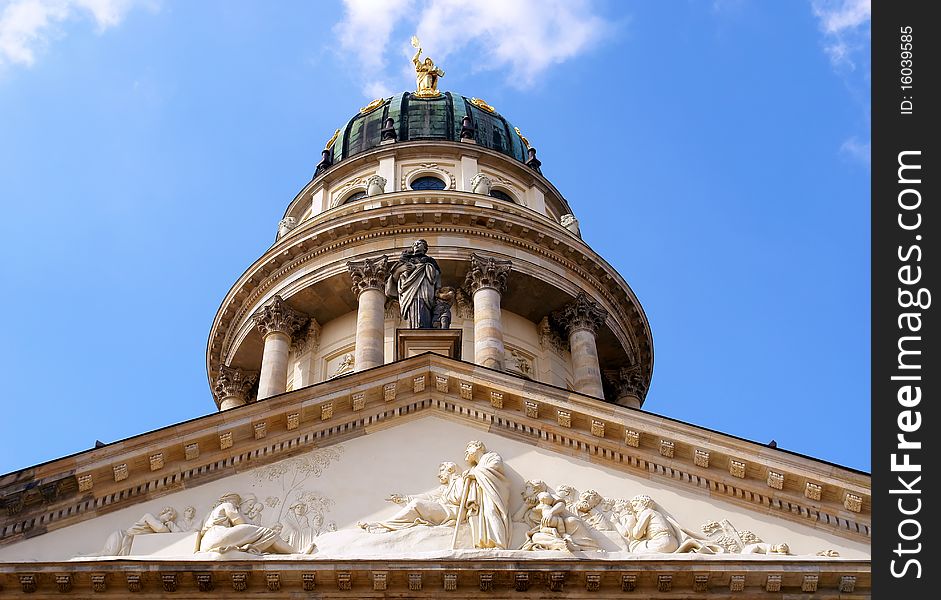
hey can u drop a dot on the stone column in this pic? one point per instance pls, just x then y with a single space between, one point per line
232 386
369 281
581 319
486 280
629 385
277 323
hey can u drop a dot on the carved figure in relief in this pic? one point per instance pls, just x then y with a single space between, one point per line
650 531
296 527
375 185
521 364
226 529
485 497
444 298
414 281
286 225
647 529
550 533
570 223
189 521
481 184
252 509
530 494
558 528
426 74
763 548
439 507
568 494
589 508
119 542
346 365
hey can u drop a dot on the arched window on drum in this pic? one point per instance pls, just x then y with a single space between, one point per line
427 183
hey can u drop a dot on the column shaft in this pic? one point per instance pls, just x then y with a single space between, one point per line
488 329
273 379
585 365
231 402
370 321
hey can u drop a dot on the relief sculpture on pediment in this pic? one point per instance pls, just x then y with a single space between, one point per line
277 511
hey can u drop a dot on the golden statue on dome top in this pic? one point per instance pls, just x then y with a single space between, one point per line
426 74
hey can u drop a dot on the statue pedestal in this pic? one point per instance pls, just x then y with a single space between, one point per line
412 342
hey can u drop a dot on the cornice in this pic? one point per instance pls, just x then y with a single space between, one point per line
830 578
425 148
632 441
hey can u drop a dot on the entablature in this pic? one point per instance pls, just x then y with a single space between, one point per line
205 449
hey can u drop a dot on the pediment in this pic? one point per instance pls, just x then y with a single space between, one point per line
344 484
340 449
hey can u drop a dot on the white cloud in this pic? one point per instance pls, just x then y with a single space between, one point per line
857 150
521 37
846 25
27 26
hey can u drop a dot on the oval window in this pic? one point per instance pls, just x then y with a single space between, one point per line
427 183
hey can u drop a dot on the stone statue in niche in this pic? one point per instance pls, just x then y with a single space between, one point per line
414 281
226 529
441 317
119 542
485 498
481 184
439 507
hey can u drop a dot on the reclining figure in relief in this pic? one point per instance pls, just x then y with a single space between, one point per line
226 529
439 507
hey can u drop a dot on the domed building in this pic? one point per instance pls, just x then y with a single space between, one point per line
522 291
430 386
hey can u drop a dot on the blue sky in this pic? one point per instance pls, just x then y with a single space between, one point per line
716 153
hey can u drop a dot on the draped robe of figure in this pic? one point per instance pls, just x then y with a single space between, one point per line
490 492
225 529
416 289
433 508
296 530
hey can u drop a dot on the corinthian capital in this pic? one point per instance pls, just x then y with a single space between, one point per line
368 274
627 381
233 382
277 316
581 313
487 272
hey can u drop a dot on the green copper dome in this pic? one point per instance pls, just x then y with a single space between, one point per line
427 119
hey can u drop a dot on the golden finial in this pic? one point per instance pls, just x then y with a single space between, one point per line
426 74
481 104
372 106
522 137
336 134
